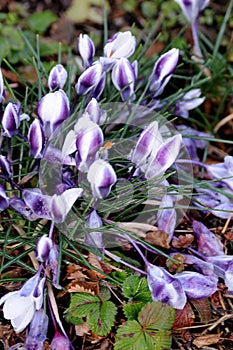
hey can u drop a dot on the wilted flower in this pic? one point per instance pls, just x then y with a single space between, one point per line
5 167
162 71
38 331
22 208
94 238
123 78
86 49
60 342
20 306
102 177
43 247
57 77
52 110
36 139
188 101
11 119
166 217
222 171
4 200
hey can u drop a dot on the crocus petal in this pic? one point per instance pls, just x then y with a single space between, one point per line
120 45
86 49
4 200
123 78
52 110
187 102
62 204
36 139
192 8
43 246
223 171
11 119
38 295
94 238
22 321
96 114
89 79
57 77
162 71
5 166
14 299
20 206
38 331
60 342
166 217
165 156
196 285
102 177
38 202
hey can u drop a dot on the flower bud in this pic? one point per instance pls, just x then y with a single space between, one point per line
11 119
36 139
162 71
122 44
5 167
90 79
57 77
86 49
96 114
52 110
102 177
60 342
123 78
43 247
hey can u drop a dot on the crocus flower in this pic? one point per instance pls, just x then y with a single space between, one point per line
96 114
101 177
86 49
188 101
4 200
5 167
122 44
20 306
43 247
38 331
94 238
162 71
52 110
11 119
166 217
90 79
123 78
57 77
36 139
222 171
60 342
1 87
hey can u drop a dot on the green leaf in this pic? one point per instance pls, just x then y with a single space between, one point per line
157 315
4 48
102 321
137 289
131 310
82 304
14 38
40 22
131 337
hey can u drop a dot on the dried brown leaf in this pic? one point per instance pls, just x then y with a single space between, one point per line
184 318
158 238
82 329
183 241
204 340
203 308
83 286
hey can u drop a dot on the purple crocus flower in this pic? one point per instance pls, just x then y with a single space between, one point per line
4 200
60 342
11 119
96 114
43 247
222 171
21 305
36 139
101 177
2 93
38 331
123 78
57 77
52 110
91 79
188 101
166 217
86 50
162 71
5 167
122 44
94 238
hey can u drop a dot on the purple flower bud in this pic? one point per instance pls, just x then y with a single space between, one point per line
90 79
96 114
43 247
94 238
164 287
120 45
208 243
162 71
164 157
223 171
52 110
86 49
101 177
60 342
5 167
57 77
36 139
188 101
196 285
166 218
11 119
1 87
192 8
38 331
4 200
123 78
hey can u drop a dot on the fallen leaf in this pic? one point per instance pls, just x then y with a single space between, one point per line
203 308
204 340
183 241
158 238
82 329
184 317
83 286
94 261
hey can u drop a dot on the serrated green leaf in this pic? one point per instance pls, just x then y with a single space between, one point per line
39 22
102 321
82 304
104 293
162 340
131 310
130 286
143 294
157 316
129 336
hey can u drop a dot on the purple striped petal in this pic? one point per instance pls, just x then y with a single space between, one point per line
5 167
123 78
57 77
86 49
89 79
11 119
36 139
